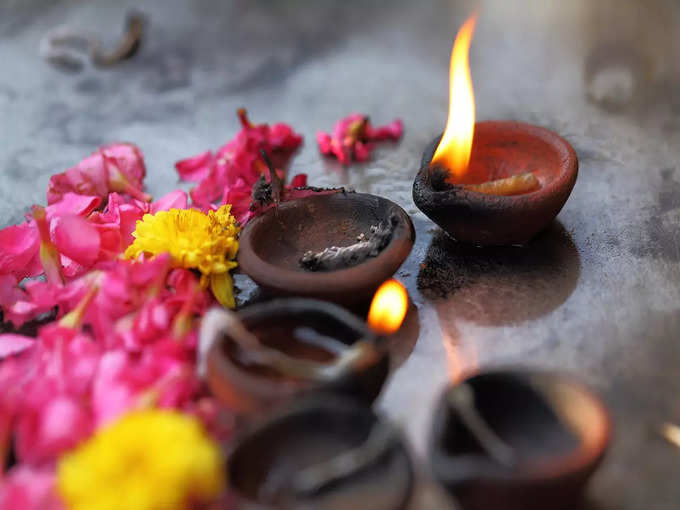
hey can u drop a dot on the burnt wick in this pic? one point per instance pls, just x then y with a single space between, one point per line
336 257
314 479
439 178
359 355
262 193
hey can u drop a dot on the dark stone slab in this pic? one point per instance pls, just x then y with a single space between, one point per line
598 294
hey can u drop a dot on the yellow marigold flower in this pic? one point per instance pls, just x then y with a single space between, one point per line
147 460
194 240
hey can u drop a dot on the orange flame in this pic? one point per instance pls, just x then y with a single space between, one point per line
388 308
453 151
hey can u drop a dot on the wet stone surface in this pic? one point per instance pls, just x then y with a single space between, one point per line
597 294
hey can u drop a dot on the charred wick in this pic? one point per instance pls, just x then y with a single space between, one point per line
438 178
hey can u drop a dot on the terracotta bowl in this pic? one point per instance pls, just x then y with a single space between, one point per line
271 246
294 459
302 328
556 429
501 149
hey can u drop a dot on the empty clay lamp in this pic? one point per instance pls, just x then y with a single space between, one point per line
495 182
337 247
323 454
518 440
271 352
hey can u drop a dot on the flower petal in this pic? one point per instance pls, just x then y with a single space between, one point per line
11 343
299 181
19 246
174 200
195 168
76 238
73 204
222 287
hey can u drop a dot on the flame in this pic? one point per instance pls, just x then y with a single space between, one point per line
388 308
453 151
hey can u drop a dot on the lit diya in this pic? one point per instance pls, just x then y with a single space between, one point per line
518 440
337 247
494 182
324 453
270 352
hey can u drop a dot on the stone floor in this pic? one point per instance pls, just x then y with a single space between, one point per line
598 294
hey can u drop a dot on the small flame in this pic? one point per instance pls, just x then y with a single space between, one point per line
388 308
453 151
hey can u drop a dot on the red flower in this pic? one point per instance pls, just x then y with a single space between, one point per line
353 138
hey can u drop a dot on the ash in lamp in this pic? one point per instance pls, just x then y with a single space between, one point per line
493 182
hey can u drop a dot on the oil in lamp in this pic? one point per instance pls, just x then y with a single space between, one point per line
268 353
515 439
493 182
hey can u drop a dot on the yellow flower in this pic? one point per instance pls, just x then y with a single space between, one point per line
194 240
147 460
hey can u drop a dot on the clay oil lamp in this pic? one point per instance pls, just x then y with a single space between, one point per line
323 453
270 352
518 440
336 247
494 182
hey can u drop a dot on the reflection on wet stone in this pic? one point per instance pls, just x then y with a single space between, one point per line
501 285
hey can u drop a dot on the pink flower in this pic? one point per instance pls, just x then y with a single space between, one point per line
117 222
44 389
29 488
125 381
353 138
116 167
231 173
20 244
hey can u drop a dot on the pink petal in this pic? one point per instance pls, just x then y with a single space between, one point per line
19 247
89 178
114 167
195 168
129 215
174 200
76 238
10 293
207 191
362 151
29 488
391 131
299 181
21 312
128 159
63 422
73 204
324 141
11 343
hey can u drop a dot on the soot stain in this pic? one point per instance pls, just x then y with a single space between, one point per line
659 237
501 285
